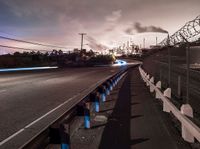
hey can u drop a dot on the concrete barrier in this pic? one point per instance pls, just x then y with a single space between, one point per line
190 131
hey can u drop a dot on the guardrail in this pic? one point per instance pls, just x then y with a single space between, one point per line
190 131
55 126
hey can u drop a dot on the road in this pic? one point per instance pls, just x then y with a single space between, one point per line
26 96
135 121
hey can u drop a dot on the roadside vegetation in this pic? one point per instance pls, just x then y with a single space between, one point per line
55 58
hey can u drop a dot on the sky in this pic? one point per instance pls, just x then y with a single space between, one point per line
108 23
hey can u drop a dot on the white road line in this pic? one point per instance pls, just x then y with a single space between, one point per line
1 91
32 123
10 137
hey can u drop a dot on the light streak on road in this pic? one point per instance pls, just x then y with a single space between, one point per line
120 63
25 69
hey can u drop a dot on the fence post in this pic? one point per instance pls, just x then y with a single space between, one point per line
187 110
179 86
167 93
151 86
158 85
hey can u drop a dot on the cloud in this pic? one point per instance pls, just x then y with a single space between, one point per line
60 21
115 16
112 20
94 44
142 29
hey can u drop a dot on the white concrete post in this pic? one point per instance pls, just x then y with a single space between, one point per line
165 107
143 76
158 85
167 93
148 77
151 86
152 80
187 110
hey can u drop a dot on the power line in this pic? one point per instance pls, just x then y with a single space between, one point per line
19 48
33 43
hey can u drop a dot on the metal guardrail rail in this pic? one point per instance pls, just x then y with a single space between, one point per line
190 131
37 134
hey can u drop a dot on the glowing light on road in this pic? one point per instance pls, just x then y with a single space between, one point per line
27 68
120 63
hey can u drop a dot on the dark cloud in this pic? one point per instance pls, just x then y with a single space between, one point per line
95 45
59 21
113 20
142 29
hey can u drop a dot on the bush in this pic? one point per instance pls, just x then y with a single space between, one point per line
101 59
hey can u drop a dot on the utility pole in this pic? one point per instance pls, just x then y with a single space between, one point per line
82 34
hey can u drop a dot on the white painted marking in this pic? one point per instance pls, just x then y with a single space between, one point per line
1 91
10 137
32 123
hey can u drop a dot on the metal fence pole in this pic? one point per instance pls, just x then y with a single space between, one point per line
188 72
179 87
169 67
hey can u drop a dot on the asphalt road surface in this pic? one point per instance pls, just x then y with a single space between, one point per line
26 96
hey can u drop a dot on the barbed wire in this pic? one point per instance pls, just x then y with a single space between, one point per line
190 32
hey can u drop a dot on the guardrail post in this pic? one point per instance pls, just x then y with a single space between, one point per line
107 88
111 85
97 102
158 85
64 136
87 115
115 81
167 93
102 92
151 86
95 99
187 110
